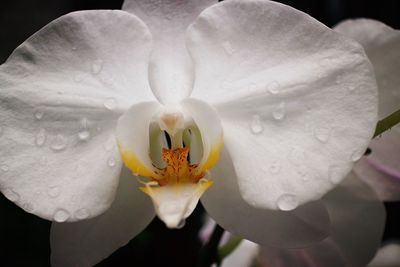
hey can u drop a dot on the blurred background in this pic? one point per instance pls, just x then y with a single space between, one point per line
24 238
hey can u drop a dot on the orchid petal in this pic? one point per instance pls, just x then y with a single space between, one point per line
381 169
88 242
206 119
358 220
59 108
382 46
133 135
387 256
304 225
297 101
171 68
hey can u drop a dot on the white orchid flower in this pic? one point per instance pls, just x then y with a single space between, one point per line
294 103
381 169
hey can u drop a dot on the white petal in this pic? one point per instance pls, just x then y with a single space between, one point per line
134 137
88 242
171 68
58 111
382 46
224 204
174 203
381 169
387 256
297 101
358 220
207 120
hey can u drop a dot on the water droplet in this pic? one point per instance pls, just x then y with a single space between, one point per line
39 115
228 48
59 143
11 194
322 134
40 138
279 112
53 191
97 66
111 162
181 224
82 214
335 174
28 207
287 202
74 48
256 125
110 103
61 215
275 167
356 155
84 135
5 168
273 87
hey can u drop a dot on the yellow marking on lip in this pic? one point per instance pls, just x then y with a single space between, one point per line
213 156
134 164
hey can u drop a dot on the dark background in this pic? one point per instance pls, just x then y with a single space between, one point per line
24 238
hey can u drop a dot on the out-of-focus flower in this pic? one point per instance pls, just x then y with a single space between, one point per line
243 255
387 256
381 169
355 233
296 102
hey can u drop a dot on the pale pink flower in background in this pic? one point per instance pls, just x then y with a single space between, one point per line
381 169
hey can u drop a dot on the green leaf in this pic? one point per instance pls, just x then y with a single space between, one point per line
387 123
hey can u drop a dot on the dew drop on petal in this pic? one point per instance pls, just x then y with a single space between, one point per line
61 215
84 135
59 143
39 115
74 48
40 137
28 207
82 214
287 202
273 87
279 112
275 167
111 162
322 134
97 66
110 103
356 155
11 194
256 125
53 191
181 224
5 168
